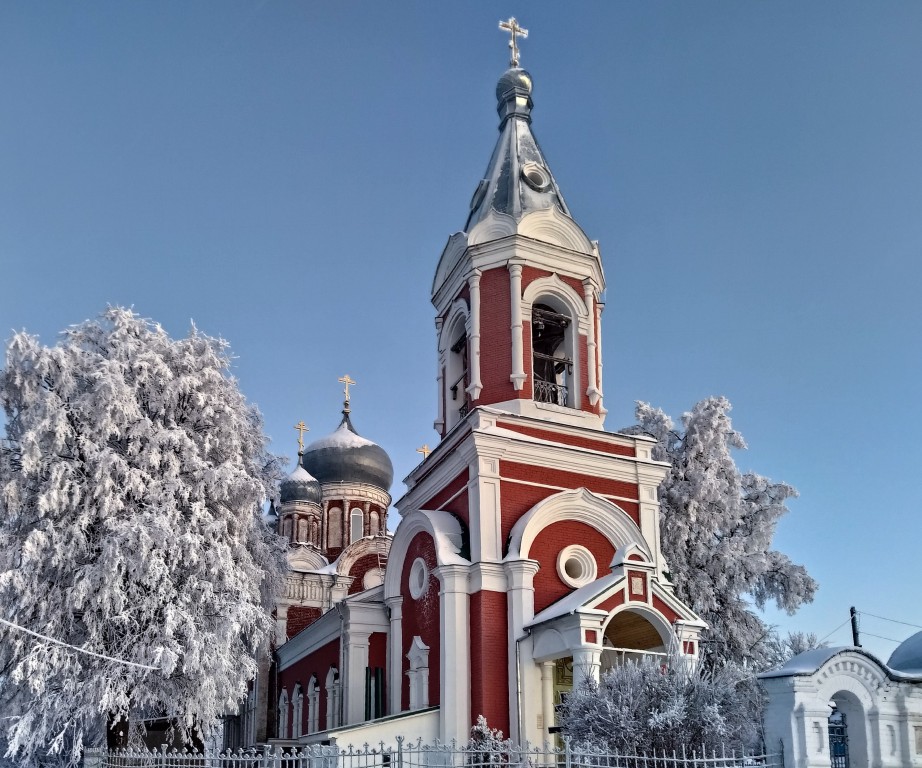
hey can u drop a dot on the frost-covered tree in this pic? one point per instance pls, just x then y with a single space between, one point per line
717 526
644 707
778 648
131 484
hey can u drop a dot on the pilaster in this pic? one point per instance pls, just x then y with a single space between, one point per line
518 375
455 653
475 387
355 662
395 679
523 692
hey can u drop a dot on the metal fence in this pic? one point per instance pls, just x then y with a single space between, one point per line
419 755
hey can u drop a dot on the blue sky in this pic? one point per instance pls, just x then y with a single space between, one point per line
286 174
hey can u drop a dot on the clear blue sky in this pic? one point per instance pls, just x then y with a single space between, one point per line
286 174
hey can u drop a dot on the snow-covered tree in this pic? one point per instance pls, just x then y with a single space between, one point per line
777 648
645 706
486 746
717 526
131 535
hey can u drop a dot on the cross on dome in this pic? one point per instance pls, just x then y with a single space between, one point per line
347 380
512 27
302 428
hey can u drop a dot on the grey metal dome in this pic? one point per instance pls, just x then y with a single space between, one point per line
907 658
300 485
346 457
513 78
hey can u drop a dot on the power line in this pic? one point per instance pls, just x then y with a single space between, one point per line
895 621
75 648
881 637
835 630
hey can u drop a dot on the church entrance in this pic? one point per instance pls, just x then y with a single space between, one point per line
630 636
838 739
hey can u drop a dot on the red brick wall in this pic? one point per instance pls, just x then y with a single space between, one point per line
670 615
420 617
318 664
489 659
517 499
546 547
495 349
359 568
300 617
566 439
562 479
438 501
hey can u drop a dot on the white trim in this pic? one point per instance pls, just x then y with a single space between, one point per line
418 580
445 532
518 375
576 557
475 387
580 505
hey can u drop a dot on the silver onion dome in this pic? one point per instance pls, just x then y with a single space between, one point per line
300 485
344 456
907 658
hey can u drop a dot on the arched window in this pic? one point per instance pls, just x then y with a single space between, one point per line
356 525
334 527
552 355
313 706
333 698
283 715
457 370
297 712
302 531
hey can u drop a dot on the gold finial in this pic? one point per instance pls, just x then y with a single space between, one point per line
425 450
347 380
302 428
514 30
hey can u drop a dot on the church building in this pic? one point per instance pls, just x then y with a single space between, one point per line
527 553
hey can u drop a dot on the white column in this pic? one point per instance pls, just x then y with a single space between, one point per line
515 305
455 654
520 601
281 624
586 662
395 655
592 390
547 698
439 422
476 385
598 326
356 658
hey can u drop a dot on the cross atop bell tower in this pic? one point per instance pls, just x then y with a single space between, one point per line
518 293
512 27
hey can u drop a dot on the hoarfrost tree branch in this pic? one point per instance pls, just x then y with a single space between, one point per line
717 526
131 484
643 707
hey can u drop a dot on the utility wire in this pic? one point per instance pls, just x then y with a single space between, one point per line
895 621
881 637
74 647
835 630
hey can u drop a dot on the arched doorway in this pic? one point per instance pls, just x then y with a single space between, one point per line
838 739
847 731
630 635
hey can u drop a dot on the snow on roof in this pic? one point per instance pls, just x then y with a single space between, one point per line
575 600
805 663
907 658
301 475
808 662
342 437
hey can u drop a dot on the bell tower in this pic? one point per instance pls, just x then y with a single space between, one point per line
518 293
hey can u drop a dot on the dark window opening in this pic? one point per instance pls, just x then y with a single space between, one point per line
552 366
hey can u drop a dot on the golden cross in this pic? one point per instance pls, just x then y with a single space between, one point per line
302 428
514 30
425 450
347 380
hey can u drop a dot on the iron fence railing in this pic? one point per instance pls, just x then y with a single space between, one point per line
419 755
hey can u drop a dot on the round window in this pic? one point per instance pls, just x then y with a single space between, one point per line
419 579
536 176
576 566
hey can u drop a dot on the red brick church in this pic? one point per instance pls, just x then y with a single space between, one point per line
527 552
